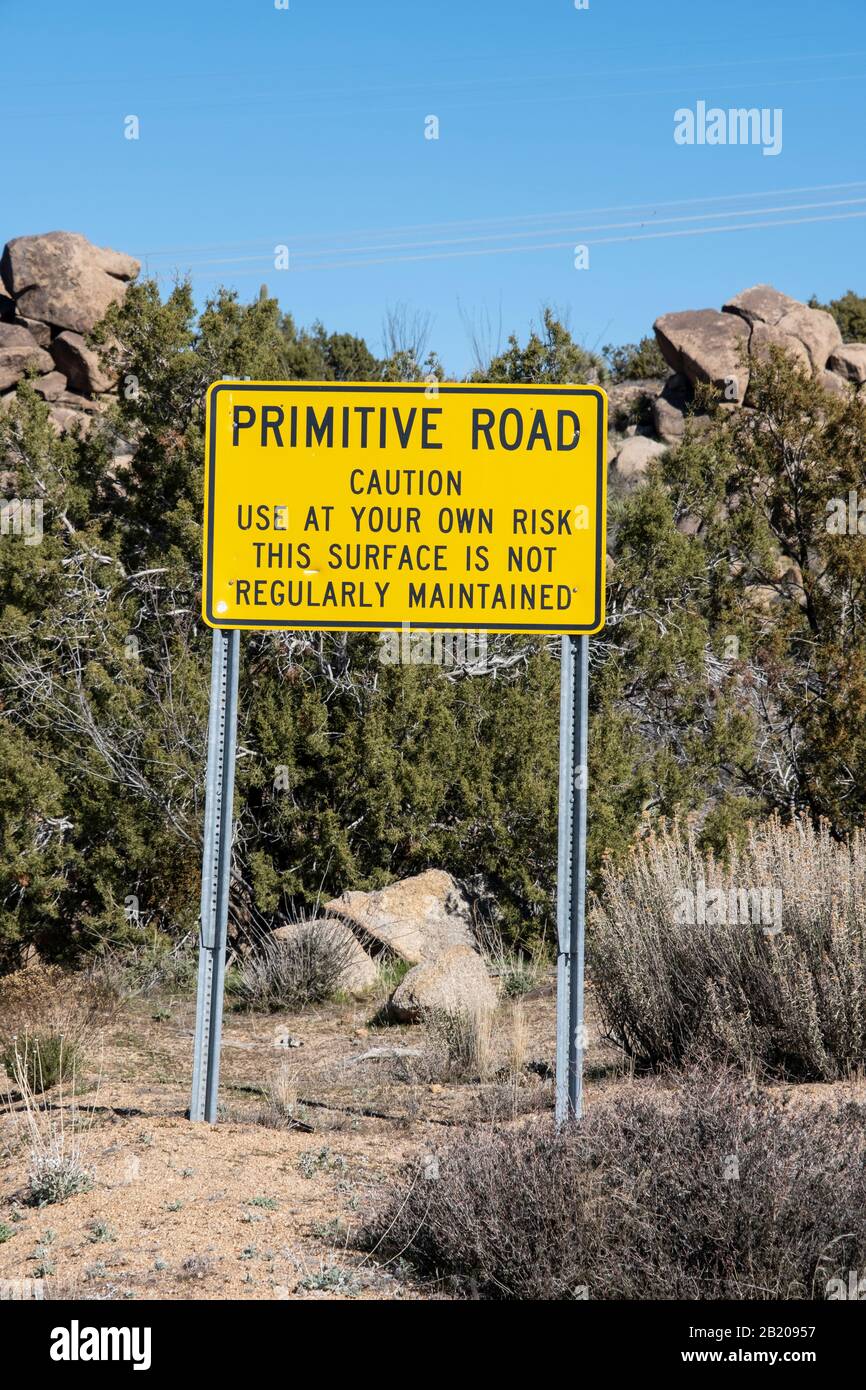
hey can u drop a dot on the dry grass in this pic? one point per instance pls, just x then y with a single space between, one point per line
143 970
788 995
292 973
56 1137
719 1191
49 1019
518 1041
458 1044
516 971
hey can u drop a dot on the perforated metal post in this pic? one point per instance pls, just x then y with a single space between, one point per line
571 876
215 873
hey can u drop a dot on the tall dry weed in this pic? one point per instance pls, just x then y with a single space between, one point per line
768 967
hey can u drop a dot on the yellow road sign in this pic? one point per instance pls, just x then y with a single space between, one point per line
348 505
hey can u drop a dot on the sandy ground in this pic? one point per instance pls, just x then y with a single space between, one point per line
243 1209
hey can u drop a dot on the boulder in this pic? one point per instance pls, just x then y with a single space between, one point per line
634 459
7 307
817 330
359 972
834 383
80 363
455 982
765 335
416 918
761 304
669 409
850 361
18 351
50 386
61 278
627 401
64 419
706 346
41 331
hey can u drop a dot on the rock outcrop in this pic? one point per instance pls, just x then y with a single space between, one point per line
719 348
62 279
54 289
19 353
706 346
425 921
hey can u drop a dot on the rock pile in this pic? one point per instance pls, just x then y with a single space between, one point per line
717 348
54 289
424 921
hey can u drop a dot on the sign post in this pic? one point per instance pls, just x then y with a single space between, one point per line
215 873
355 506
571 875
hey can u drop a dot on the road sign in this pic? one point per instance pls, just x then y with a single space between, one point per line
349 505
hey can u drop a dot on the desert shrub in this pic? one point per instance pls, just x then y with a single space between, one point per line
157 965
56 1139
636 361
292 972
760 959
48 1019
717 1191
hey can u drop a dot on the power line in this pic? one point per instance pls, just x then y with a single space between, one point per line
547 246
515 220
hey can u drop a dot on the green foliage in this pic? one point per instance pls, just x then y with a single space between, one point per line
732 673
550 355
356 771
636 361
849 311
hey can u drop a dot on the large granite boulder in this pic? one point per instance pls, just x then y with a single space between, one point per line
817 330
416 918
768 335
706 346
62 279
761 304
456 982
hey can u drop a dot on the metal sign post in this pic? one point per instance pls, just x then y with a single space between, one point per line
571 876
216 872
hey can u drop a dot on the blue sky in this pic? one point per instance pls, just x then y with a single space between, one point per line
262 127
